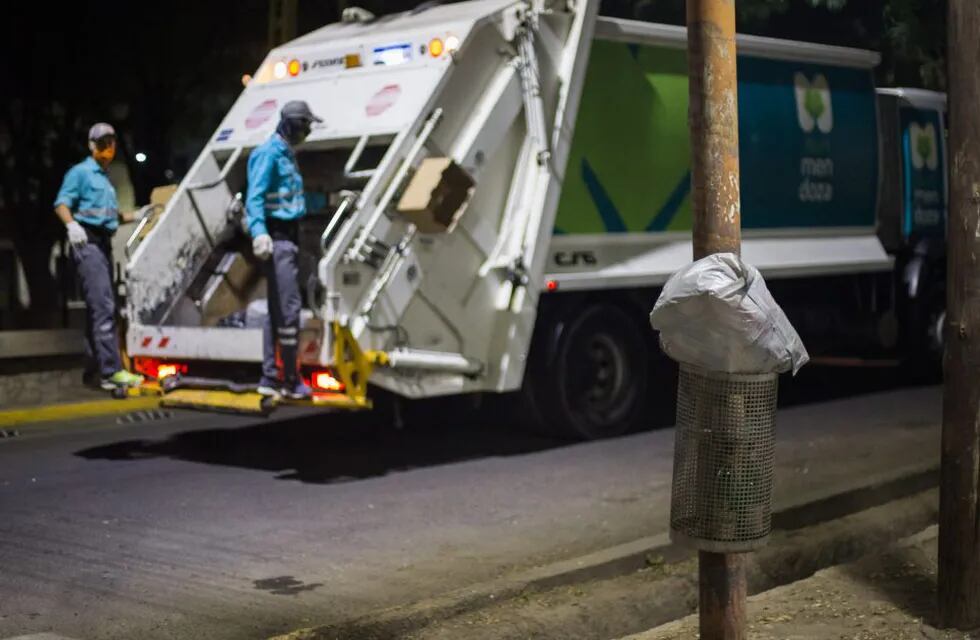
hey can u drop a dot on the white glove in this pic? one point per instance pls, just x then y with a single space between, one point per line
76 235
262 246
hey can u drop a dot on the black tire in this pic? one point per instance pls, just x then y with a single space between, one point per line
589 374
933 340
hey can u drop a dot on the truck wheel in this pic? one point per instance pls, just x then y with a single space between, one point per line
924 363
589 376
936 338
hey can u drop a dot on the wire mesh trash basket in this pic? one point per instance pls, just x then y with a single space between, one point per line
721 500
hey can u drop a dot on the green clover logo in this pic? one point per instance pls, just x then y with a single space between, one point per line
813 103
924 145
814 108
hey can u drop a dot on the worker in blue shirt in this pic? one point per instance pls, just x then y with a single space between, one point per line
87 205
274 205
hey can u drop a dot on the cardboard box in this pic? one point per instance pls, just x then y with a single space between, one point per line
160 196
436 196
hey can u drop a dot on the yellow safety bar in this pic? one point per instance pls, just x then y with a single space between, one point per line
353 366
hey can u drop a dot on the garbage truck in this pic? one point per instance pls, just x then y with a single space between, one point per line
496 194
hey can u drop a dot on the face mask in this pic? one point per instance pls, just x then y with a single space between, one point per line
103 152
302 131
294 131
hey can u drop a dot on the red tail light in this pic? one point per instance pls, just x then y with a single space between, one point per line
165 370
325 381
153 368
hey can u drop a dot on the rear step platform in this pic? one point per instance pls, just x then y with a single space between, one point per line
219 400
223 396
251 402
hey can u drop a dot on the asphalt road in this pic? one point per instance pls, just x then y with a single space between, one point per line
221 527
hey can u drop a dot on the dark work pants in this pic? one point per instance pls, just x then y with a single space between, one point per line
285 303
93 262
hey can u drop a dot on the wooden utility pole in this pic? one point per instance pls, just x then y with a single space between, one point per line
713 114
722 591
713 121
959 516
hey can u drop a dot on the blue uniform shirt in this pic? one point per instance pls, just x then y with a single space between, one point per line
87 192
275 187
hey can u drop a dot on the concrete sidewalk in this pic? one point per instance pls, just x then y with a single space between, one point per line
886 596
28 389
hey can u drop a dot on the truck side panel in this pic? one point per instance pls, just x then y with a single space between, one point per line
808 141
923 172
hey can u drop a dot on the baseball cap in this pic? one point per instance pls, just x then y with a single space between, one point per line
298 109
100 130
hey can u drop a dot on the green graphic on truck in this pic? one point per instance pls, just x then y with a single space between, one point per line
924 173
808 145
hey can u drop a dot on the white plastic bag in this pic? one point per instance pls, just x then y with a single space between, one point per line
718 314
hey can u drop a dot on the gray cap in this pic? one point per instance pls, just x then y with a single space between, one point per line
100 130
299 110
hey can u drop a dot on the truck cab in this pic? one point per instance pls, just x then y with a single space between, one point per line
913 208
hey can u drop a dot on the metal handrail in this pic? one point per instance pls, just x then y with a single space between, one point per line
142 225
355 155
336 220
387 271
197 186
232 159
395 184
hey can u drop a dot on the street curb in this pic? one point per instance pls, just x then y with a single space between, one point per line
770 604
616 561
75 410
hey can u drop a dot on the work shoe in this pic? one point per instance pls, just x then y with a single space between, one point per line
121 380
297 391
268 388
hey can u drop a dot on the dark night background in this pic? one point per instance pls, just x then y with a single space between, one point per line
164 74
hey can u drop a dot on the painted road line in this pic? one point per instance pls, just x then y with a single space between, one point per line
75 410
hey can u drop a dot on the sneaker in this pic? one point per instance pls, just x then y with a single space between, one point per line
121 380
267 388
297 391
